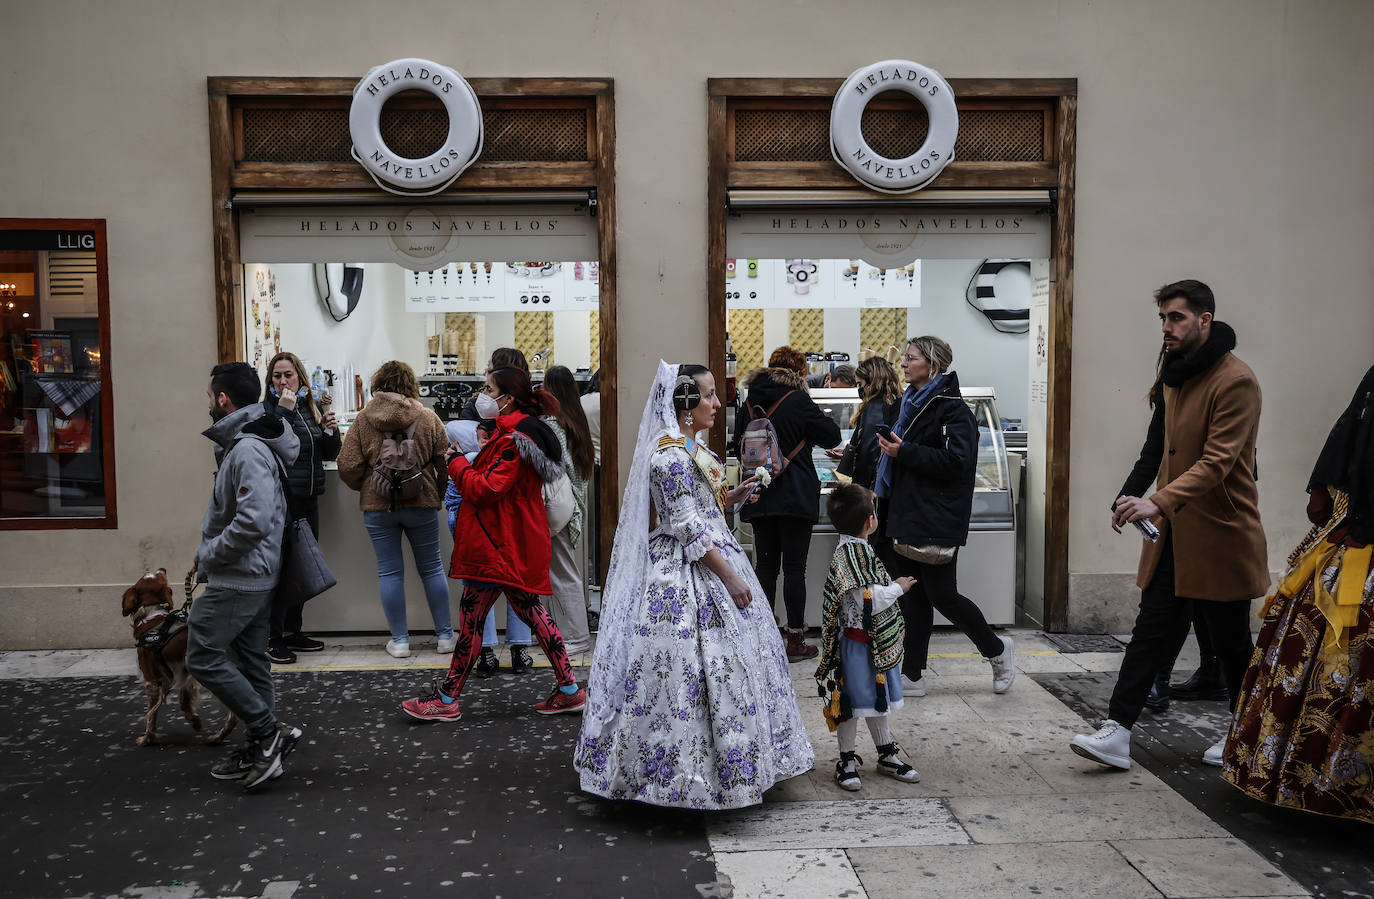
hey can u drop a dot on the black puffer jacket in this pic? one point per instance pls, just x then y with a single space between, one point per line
931 497
796 493
306 475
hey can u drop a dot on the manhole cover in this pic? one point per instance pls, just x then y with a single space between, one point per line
1085 642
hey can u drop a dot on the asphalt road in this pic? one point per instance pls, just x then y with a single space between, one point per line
371 803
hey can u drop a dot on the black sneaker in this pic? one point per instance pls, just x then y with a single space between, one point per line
520 660
487 663
278 654
300 641
234 766
266 756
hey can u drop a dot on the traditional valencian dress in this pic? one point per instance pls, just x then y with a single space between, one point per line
690 701
1303 732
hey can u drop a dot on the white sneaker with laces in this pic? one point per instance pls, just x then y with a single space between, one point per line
1003 667
1110 746
915 687
398 649
445 645
1214 752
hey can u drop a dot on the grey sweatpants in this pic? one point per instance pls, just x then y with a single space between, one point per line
568 604
227 653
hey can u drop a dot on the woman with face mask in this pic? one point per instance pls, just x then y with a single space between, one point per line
501 544
288 397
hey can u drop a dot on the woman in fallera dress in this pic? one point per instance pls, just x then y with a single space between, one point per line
1303 732
690 702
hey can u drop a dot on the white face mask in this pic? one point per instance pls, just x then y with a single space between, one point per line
487 407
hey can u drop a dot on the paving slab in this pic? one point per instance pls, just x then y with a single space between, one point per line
976 872
789 874
1102 816
1066 772
1187 869
836 825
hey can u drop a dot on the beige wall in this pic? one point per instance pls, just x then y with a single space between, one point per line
1220 140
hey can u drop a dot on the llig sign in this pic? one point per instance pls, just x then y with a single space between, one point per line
430 174
847 144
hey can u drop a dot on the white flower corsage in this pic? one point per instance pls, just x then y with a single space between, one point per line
764 477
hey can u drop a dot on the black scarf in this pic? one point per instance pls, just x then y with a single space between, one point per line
1178 369
1347 460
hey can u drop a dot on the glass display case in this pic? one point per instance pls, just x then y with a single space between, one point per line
987 562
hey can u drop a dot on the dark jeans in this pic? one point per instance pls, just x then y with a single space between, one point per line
286 619
1161 628
782 543
937 589
226 650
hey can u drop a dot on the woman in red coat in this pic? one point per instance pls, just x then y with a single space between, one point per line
501 544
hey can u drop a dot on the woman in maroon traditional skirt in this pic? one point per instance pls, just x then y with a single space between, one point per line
1303 732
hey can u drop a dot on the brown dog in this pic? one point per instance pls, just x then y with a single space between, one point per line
161 640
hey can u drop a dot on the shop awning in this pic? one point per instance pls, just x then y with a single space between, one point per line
888 230
421 236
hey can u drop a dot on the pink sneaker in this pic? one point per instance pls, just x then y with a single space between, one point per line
560 702
432 707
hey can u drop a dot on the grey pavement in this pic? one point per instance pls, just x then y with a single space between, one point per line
1002 807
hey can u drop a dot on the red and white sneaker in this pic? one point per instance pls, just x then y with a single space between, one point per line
431 707
560 703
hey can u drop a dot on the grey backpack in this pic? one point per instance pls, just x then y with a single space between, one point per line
399 472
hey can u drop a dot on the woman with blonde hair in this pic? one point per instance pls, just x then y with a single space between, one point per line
288 396
395 411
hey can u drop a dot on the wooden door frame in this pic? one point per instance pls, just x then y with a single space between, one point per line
229 173
1057 174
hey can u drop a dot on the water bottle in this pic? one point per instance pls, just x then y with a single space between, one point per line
317 382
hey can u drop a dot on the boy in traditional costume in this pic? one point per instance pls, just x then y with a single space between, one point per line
859 674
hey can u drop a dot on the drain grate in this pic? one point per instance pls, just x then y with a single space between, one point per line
1086 642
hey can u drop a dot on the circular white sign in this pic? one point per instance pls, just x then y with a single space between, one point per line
400 174
847 142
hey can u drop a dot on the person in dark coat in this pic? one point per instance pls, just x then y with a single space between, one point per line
925 498
879 394
289 398
790 506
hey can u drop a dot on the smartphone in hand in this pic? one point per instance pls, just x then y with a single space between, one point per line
884 430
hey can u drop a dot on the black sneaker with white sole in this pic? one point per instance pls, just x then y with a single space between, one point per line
235 765
267 753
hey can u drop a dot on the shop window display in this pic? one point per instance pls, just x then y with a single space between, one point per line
55 442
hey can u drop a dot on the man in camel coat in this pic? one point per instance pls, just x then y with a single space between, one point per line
1210 558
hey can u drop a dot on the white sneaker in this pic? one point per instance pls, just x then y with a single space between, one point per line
1110 746
445 645
398 649
1003 667
1214 752
915 687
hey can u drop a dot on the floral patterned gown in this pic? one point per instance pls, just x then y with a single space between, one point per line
709 718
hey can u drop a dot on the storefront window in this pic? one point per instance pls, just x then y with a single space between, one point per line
56 441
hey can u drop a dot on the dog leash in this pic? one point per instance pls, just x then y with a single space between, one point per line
191 586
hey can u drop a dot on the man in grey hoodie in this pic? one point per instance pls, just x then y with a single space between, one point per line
240 560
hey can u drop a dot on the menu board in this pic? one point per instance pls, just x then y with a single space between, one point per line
504 287
820 283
